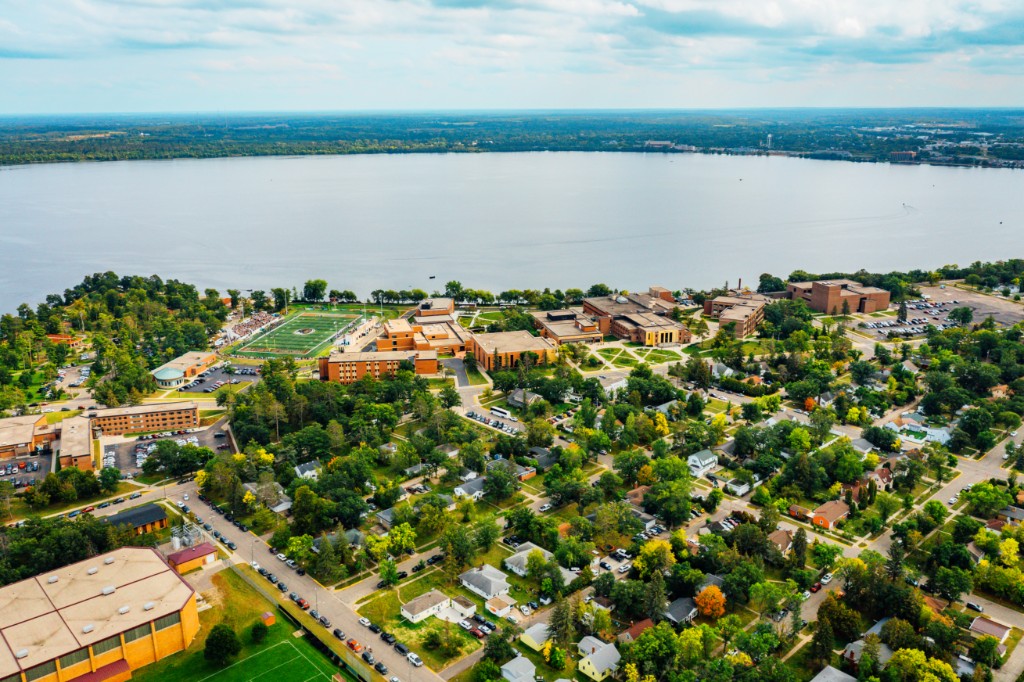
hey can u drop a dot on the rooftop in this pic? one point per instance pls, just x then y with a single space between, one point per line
190 553
145 409
62 611
513 342
424 602
380 356
75 436
19 430
139 516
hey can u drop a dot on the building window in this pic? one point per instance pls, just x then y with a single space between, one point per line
74 657
105 645
168 621
12 678
41 671
137 633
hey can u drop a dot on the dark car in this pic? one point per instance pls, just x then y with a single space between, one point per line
402 575
387 637
293 596
381 668
339 634
325 621
374 627
382 584
368 657
315 614
262 571
232 546
478 618
134 496
282 587
401 648
299 571
272 578
419 567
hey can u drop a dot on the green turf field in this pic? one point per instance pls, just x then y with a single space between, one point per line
301 334
287 661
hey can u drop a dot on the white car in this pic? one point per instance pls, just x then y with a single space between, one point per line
545 507
1013 434
185 497
524 609
624 568
805 596
282 557
414 659
953 500
365 622
465 625
826 579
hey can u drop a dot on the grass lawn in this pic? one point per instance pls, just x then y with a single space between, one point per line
657 356
281 657
715 406
385 612
546 672
1012 641
803 666
475 377
440 383
57 417
19 508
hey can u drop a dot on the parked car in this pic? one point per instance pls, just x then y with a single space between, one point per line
465 625
414 659
365 622
381 668
826 579
355 646
339 634
974 607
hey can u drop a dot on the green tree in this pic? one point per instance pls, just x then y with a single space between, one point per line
221 645
952 582
258 632
109 478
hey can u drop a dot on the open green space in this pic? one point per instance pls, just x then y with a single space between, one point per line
300 334
279 658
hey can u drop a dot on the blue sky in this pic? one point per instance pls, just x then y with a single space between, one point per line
68 56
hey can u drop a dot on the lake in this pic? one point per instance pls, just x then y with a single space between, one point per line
493 221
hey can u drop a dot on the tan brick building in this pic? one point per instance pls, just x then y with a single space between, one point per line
744 310
567 326
640 318
503 350
117 421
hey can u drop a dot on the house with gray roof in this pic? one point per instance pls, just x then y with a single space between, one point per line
517 562
682 610
830 674
599 659
486 581
519 669
308 471
545 458
702 462
473 488
386 517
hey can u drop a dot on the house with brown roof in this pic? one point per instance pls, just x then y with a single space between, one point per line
829 513
636 496
984 627
798 512
782 539
634 631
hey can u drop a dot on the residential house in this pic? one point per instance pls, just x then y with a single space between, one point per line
782 539
486 581
473 489
636 496
425 606
518 561
500 606
830 674
989 628
535 636
1001 391
308 471
977 554
520 472
519 669
798 512
829 513
702 462
862 445
711 579
737 487
1013 516
599 659
681 611
448 450
853 651
273 496
545 458
386 517
631 633
521 398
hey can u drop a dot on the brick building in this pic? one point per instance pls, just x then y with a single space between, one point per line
744 310
640 318
348 368
828 296
117 421
567 326
503 350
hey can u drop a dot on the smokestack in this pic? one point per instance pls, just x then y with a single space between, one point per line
739 285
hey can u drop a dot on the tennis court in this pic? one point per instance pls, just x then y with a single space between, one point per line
301 334
285 661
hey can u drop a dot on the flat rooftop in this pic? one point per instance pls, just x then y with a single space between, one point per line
61 611
145 409
19 430
194 358
513 342
75 436
398 326
370 356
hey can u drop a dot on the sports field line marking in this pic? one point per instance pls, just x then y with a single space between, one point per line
289 661
315 666
244 660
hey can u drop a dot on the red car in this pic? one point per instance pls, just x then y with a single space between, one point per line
303 604
88 509
355 646
476 632
815 587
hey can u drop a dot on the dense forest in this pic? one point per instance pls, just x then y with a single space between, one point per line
865 135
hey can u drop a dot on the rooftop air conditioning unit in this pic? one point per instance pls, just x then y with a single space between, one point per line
109 560
148 606
52 579
88 628
109 589
22 653
92 570
124 609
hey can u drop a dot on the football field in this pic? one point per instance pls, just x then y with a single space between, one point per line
285 661
299 335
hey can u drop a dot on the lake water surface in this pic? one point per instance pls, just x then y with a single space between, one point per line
493 221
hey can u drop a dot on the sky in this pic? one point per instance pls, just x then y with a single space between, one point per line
79 56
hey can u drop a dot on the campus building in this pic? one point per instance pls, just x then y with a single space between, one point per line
76 443
742 309
503 350
72 342
117 421
567 326
183 369
348 368
191 558
829 296
640 318
96 620
440 336
436 307
25 435
147 518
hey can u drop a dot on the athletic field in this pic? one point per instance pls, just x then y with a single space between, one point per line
285 661
301 334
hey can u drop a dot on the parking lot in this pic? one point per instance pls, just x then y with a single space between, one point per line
507 425
1005 312
124 455
212 379
25 471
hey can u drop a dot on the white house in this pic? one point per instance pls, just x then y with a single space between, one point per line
425 606
473 489
702 462
308 470
519 669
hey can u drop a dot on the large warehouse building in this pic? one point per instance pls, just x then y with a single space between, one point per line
95 621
